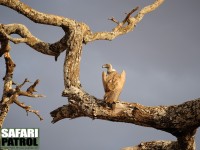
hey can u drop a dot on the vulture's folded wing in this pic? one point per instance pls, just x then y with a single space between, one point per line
122 79
104 80
113 81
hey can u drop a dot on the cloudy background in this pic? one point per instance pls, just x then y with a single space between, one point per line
161 59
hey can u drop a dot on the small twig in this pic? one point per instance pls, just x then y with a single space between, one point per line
113 20
36 112
126 19
26 80
28 108
129 15
24 93
31 89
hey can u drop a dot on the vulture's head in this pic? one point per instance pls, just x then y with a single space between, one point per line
108 67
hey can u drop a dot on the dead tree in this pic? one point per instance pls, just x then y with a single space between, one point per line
10 95
181 120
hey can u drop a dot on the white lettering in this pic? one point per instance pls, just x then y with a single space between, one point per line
17 132
36 133
11 133
23 133
30 132
4 132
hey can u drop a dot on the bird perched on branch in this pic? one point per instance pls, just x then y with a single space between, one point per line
113 83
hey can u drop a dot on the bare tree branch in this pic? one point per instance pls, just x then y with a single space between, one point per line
129 15
10 94
68 25
114 20
155 145
31 89
36 16
173 119
121 29
25 81
5 101
46 48
28 109
179 120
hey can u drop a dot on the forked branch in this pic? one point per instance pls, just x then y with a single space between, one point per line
121 28
10 94
27 108
179 120
53 49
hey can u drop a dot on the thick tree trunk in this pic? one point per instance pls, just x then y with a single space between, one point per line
187 140
3 113
73 57
6 100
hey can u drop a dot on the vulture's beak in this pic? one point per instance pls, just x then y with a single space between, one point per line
104 66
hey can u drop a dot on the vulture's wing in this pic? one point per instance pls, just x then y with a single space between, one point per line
122 79
113 81
104 80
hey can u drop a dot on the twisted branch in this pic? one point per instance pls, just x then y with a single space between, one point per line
121 29
36 16
179 120
28 108
53 49
10 94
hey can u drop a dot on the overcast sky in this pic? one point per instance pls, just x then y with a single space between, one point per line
160 57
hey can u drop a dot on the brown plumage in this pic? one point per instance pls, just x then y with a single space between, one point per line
113 83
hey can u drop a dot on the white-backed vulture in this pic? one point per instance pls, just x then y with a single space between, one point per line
113 83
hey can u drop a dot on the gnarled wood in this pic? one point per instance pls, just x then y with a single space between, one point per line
155 145
35 15
10 94
179 120
121 28
6 100
175 119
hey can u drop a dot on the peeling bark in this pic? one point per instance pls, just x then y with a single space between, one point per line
179 120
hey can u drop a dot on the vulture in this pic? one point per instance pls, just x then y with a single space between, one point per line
113 83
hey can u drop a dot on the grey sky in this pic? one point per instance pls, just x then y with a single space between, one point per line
161 59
